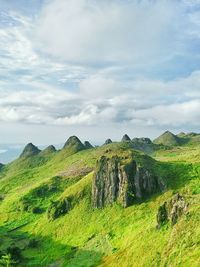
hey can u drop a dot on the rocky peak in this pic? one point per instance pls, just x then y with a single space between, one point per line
87 145
108 141
30 150
126 138
122 180
75 143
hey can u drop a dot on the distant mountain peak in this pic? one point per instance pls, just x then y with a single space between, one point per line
168 139
74 141
108 141
126 138
30 150
87 145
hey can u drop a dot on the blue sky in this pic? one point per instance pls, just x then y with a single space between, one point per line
98 69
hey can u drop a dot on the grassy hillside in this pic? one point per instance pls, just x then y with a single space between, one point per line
84 236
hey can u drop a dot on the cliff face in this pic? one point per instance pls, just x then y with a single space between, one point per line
122 181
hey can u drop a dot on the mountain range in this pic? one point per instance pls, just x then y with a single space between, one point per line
134 202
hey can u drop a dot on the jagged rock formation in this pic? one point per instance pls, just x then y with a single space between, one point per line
74 143
171 211
122 180
58 208
50 149
30 150
87 145
168 139
108 141
126 138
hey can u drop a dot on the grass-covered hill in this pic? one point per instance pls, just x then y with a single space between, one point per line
111 205
170 139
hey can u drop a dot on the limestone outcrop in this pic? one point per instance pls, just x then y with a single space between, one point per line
172 210
122 180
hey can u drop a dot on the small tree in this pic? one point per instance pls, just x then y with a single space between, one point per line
7 261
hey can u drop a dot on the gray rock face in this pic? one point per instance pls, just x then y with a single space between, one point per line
115 180
171 211
146 183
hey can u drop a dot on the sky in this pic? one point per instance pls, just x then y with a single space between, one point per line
98 69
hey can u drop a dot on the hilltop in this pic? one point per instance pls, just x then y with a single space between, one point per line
128 203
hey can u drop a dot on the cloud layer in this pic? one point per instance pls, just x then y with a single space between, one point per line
90 63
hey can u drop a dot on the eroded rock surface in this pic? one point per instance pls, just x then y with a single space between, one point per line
172 210
122 180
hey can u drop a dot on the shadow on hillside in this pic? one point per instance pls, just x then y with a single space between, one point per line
32 250
175 176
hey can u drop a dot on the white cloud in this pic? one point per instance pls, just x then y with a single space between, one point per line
147 102
110 31
100 63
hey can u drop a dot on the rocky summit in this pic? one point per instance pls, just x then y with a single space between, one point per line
108 141
74 143
126 138
30 150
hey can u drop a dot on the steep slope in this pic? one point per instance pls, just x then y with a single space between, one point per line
36 218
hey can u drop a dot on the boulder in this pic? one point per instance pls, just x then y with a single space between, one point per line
172 210
58 208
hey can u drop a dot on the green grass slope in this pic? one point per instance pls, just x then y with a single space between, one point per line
85 236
